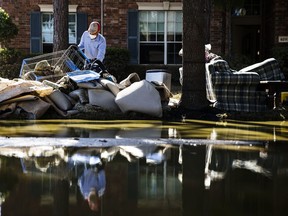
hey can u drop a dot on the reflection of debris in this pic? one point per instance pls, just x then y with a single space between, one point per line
218 164
252 166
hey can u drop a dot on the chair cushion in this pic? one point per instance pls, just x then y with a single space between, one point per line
140 97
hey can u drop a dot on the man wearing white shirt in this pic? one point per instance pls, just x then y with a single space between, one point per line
93 43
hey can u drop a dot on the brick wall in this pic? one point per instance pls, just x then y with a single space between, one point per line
114 23
281 19
115 20
216 33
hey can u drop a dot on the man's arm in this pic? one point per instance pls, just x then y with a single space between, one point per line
102 50
81 44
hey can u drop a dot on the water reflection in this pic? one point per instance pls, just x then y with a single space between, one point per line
191 129
146 179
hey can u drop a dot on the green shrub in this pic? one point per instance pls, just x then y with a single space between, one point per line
281 55
10 56
10 63
10 71
116 61
8 29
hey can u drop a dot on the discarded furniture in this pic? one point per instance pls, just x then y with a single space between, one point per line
274 88
232 90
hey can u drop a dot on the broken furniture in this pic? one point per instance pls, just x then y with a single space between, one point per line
232 90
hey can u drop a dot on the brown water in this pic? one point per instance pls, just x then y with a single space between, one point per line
190 129
163 179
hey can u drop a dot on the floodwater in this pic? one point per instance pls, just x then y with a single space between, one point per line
143 168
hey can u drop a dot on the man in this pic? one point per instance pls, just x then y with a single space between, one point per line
93 43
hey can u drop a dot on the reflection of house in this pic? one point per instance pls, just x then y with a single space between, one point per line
152 31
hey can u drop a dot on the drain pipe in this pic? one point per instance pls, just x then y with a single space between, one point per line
102 16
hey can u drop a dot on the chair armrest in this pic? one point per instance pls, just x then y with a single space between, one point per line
235 78
267 70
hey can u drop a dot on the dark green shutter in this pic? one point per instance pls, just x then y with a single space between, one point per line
133 36
81 25
35 32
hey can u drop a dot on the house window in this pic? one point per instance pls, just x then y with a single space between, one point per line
160 37
42 27
253 7
48 25
248 8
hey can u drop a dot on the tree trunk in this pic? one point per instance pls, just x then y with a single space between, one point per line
194 81
60 37
208 6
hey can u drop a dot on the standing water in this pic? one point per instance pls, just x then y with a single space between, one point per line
143 168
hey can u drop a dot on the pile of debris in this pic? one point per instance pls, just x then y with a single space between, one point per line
67 93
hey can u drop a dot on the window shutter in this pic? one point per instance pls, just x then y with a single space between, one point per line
133 36
35 33
81 25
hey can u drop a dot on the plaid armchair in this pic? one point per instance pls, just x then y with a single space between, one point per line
230 90
267 70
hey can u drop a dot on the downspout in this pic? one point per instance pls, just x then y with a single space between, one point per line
102 15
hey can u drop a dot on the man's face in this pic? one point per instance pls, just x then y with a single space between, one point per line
94 205
93 201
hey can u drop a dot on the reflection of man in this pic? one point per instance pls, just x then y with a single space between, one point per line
92 185
92 180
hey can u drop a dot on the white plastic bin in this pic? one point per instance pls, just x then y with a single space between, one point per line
159 75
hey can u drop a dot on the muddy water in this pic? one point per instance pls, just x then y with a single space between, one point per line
190 129
211 179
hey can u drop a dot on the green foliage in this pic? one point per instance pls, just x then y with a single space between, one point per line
10 56
280 53
10 63
8 29
116 61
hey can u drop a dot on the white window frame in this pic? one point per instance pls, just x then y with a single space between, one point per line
48 9
160 6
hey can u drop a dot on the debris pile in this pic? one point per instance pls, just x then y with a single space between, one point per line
51 86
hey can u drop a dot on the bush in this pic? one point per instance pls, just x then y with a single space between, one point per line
10 71
10 63
8 29
281 55
116 61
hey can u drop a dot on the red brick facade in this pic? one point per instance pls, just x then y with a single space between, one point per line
274 21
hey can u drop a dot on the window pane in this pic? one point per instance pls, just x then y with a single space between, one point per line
71 18
143 32
248 7
179 16
152 36
47 28
179 28
178 37
152 27
152 16
160 27
151 53
161 16
72 28
160 36
143 16
172 53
